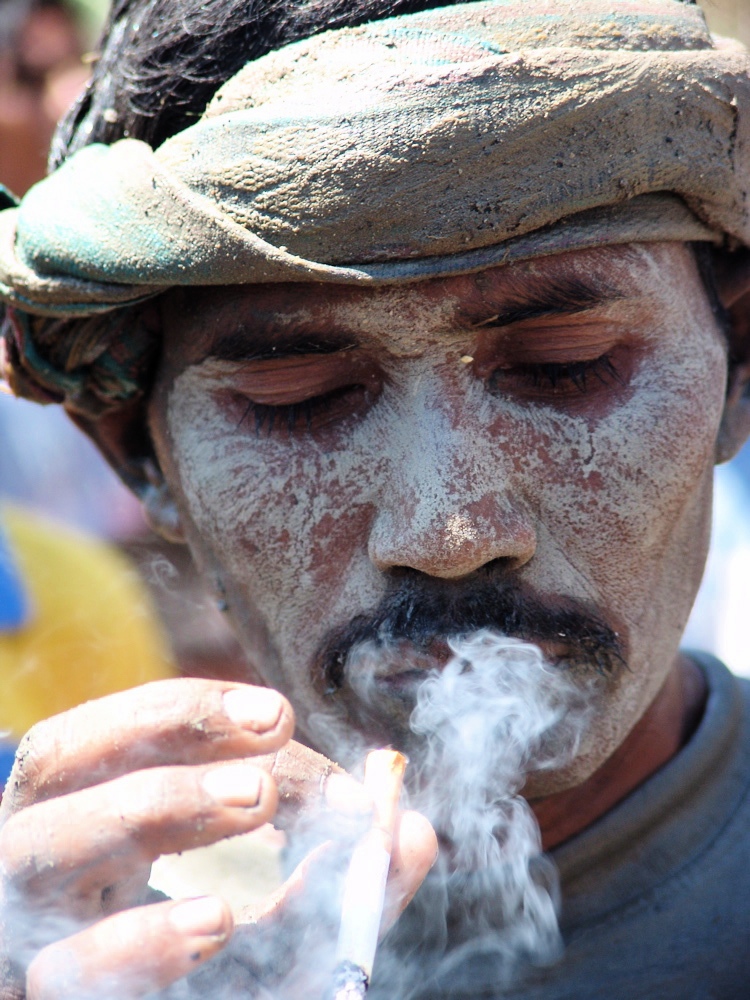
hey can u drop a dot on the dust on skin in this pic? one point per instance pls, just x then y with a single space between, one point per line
601 495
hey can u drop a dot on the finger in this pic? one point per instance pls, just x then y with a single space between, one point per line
308 781
133 953
84 842
414 852
291 936
293 928
109 832
183 721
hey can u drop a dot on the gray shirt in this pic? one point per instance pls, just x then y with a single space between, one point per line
656 894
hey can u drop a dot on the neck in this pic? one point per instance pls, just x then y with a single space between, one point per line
665 727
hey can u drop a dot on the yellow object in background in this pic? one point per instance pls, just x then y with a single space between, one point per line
90 629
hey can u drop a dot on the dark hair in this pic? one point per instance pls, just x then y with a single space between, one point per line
161 61
705 258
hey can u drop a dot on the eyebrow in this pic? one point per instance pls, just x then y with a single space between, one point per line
261 344
559 296
540 297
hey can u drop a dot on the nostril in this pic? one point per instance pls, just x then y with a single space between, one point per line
501 566
495 569
453 543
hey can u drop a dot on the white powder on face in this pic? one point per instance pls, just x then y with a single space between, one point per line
444 477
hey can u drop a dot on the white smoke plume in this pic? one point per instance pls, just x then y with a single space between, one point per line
493 714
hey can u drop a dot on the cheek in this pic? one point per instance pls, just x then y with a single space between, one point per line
284 519
624 499
624 514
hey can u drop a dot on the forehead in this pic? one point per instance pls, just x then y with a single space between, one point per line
570 281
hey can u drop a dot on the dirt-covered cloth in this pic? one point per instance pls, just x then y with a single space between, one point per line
423 145
655 895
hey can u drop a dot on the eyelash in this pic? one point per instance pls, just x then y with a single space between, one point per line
560 375
268 418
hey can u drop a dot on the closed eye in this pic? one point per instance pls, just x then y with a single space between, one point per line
558 378
302 394
308 414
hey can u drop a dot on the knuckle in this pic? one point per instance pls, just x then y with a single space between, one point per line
30 763
41 763
150 804
26 848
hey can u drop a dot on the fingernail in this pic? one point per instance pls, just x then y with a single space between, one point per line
258 709
346 795
234 785
205 916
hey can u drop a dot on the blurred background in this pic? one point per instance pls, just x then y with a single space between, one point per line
729 17
718 622
63 509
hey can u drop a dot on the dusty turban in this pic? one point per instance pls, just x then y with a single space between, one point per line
423 145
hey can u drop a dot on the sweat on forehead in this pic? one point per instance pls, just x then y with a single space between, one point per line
422 145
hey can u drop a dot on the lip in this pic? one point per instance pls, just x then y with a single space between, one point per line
397 670
403 684
405 658
405 666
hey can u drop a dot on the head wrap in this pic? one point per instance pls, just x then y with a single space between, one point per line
419 146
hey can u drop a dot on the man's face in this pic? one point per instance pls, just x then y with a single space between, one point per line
529 448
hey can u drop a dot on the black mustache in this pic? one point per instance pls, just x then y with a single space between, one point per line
422 611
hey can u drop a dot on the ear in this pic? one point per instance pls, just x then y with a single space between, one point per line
732 272
123 439
160 508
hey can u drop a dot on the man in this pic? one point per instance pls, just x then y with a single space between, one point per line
426 326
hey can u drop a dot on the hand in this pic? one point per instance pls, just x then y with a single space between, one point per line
100 792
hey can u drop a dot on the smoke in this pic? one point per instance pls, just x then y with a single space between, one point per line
364 666
481 723
495 713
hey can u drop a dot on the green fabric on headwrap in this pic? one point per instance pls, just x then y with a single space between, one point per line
415 147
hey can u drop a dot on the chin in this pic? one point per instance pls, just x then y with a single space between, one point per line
542 784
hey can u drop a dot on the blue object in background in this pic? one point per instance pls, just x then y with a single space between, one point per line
741 463
7 756
14 605
14 613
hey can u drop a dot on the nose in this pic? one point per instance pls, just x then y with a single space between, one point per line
449 508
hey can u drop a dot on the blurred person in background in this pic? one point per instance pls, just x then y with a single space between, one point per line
75 624
42 43
75 619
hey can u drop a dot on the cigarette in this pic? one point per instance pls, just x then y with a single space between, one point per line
364 887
